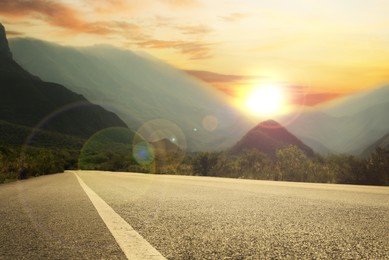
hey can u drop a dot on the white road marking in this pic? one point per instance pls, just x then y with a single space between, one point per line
131 242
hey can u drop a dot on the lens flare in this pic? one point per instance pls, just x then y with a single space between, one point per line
159 143
143 153
99 149
210 123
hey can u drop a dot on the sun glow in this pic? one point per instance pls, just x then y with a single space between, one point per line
266 100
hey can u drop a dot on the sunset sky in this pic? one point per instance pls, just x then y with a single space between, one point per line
319 48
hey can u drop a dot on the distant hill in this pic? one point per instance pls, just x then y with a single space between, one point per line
138 88
165 145
344 133
351 105
383 142
25 100
268 137
316 146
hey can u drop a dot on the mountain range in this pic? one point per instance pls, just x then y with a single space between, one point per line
140 88
348 126
383 143
29 104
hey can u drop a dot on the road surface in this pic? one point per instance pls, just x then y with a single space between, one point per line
184 217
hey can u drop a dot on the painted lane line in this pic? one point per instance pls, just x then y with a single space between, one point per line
131 242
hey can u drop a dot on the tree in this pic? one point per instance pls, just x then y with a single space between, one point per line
378 167
292 163
204 163
255 164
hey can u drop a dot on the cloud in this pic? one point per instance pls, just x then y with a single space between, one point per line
14 33
234 17
64 16
237 86
195 50
194 30
61 15
171 23
302 95
112 6
135 30
233 85
54 13
312 99
212 77
182 3
163 20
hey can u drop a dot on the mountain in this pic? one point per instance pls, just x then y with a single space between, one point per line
268 137
165 146
353 124
383 142
18 135
138 88
351 105
26 100
316 146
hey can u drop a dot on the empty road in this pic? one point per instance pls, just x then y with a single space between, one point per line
75 215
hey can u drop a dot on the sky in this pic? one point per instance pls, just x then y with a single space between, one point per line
319 49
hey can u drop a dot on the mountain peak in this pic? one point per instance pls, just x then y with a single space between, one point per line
270 124
268 137
4 48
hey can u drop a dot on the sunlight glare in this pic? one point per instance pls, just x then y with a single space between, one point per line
266 100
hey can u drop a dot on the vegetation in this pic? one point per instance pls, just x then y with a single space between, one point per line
24 162
101 153
18 135
291 164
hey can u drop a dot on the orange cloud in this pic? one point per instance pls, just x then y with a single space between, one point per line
313 99
182 3
54 13
14 33
237 85
211 77
302 95
112 6
195 50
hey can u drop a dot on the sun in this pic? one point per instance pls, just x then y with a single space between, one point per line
266 100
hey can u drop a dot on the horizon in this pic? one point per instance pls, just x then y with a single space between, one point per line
293 46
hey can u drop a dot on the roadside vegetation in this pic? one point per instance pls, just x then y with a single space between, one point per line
291 164
116 154
25 162
26 152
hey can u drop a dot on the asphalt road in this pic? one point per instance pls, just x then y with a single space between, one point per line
194 218
50 217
